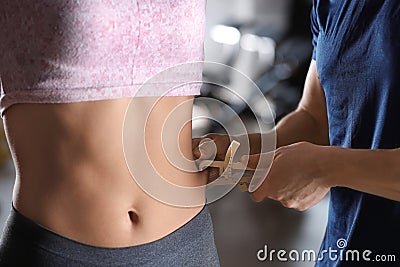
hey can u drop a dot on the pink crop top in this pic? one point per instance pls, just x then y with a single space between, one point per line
60 51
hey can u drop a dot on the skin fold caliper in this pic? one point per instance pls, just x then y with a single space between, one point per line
230 172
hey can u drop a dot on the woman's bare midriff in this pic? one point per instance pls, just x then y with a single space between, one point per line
72 177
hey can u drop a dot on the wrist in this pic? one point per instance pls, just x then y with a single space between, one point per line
328 161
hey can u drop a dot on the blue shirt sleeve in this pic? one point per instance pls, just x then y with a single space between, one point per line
314 28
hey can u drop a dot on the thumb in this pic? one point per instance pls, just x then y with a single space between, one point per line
206 149
203 148
262 163
195 148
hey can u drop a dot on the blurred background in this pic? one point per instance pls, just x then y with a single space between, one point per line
270 42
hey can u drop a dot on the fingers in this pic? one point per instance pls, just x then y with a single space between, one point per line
205 148
262 192
256 196
211 146
195 147
293 201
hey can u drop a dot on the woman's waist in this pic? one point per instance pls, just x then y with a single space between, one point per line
101 211
23 233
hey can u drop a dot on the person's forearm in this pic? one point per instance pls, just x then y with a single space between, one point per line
371 171
300 126
296 127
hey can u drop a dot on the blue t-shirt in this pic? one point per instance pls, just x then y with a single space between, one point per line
357 51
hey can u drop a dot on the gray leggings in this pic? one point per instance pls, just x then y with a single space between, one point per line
25 243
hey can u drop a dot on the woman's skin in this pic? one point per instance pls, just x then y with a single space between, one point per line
71 175
305 167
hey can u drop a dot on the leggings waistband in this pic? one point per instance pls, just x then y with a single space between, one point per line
194 239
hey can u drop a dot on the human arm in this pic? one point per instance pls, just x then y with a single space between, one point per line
303 172
307 123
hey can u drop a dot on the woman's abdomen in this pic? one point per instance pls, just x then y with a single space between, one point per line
72 177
